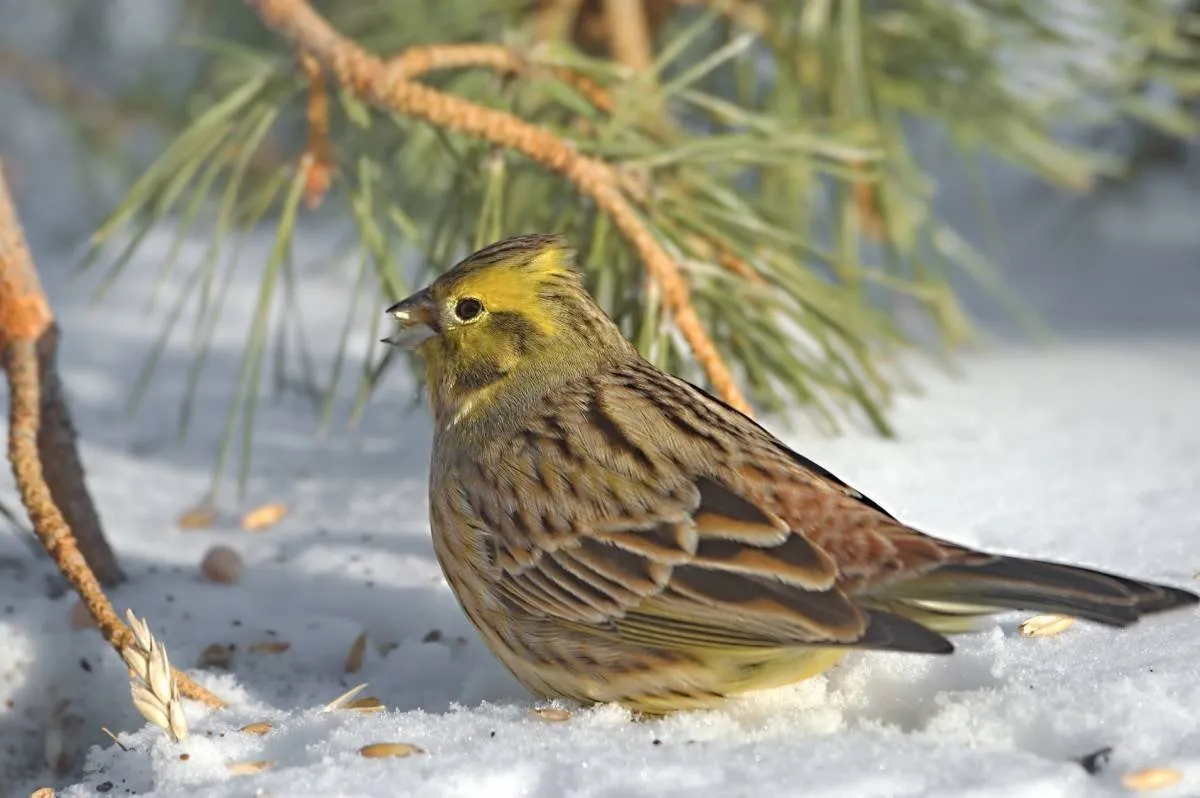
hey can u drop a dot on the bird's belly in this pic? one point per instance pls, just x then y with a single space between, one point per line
648 681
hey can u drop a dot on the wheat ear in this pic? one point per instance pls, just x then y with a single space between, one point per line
155 692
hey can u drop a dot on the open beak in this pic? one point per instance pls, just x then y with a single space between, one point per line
418 321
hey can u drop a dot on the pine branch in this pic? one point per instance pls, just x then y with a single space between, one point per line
28 340
791 199
416 62
368 77
629 34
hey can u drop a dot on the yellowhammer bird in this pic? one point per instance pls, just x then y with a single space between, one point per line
618 534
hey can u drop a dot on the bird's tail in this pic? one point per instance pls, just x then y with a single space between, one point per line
953 597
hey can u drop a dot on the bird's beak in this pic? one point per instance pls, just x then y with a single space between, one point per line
418 321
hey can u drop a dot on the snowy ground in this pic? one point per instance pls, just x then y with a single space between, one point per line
1089 451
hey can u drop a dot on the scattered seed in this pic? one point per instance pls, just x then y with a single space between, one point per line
270 647
1046 625
216 655
368 704
246 768
184 757
223 565
201 517
552 714
263 517
43 792
341 701
432 636
358 651
259 727
1151 779
396 750
1096 761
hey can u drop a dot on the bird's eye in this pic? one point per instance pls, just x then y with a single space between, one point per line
468 308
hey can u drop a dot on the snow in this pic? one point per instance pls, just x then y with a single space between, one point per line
1085 451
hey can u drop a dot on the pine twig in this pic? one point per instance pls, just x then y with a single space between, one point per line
370 79
27 332
318 163
416 62
629 34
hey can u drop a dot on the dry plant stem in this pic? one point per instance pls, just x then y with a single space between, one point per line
629 33
28 330
369 78
25 317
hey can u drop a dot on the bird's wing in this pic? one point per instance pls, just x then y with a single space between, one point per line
614 515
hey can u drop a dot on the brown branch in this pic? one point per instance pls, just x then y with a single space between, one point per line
28 341
317 163
416 62
629 34
369 78
25 316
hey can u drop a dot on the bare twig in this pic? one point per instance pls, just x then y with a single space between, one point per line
369 78
25 316
27 331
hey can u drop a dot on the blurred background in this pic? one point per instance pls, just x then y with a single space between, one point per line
840 181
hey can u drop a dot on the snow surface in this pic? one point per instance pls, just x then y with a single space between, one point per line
1087 451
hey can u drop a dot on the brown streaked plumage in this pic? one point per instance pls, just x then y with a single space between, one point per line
617 534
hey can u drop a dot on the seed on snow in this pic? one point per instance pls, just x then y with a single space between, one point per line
552 714
368 704
1151 779
262 517
259 727
1046 625
270 647
223 565
246 768
215 655
358 651
395 750
197 518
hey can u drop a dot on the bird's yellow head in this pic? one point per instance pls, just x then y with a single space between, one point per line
510 320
